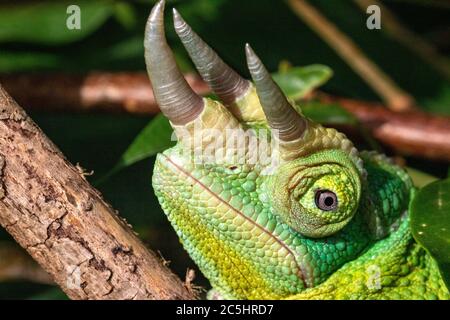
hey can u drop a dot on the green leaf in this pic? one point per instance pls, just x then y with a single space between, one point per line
125 14
299 81
430 223
328 113
154 138
45 22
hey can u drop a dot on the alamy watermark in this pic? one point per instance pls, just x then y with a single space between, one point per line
374 279
73 21
374 20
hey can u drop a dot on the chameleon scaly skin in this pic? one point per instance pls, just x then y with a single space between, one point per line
323 222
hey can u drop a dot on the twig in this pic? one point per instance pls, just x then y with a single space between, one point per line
395 98
409 39
16 264
415 134
50 209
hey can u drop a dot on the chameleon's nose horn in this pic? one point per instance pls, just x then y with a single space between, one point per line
175 97
223 80
279 112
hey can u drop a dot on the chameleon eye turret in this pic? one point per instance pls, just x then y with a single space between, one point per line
279 112
311 193
175 97
223 80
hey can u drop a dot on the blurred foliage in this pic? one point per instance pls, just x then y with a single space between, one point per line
42 19
34 38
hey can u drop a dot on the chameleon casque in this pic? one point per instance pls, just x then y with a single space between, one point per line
323 222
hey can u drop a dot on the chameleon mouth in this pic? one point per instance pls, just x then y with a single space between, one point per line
304 273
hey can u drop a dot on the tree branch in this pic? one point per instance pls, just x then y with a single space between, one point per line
413 133
97 91
50 209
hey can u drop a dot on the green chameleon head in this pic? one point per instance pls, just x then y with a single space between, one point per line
266 202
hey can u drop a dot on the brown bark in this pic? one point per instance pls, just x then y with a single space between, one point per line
413 133
51 210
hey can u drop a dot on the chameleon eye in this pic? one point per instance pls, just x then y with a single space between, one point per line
326 200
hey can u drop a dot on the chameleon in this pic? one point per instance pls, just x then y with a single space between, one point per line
312 219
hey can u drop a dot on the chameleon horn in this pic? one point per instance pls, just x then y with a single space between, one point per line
175 97
279 112
223 80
